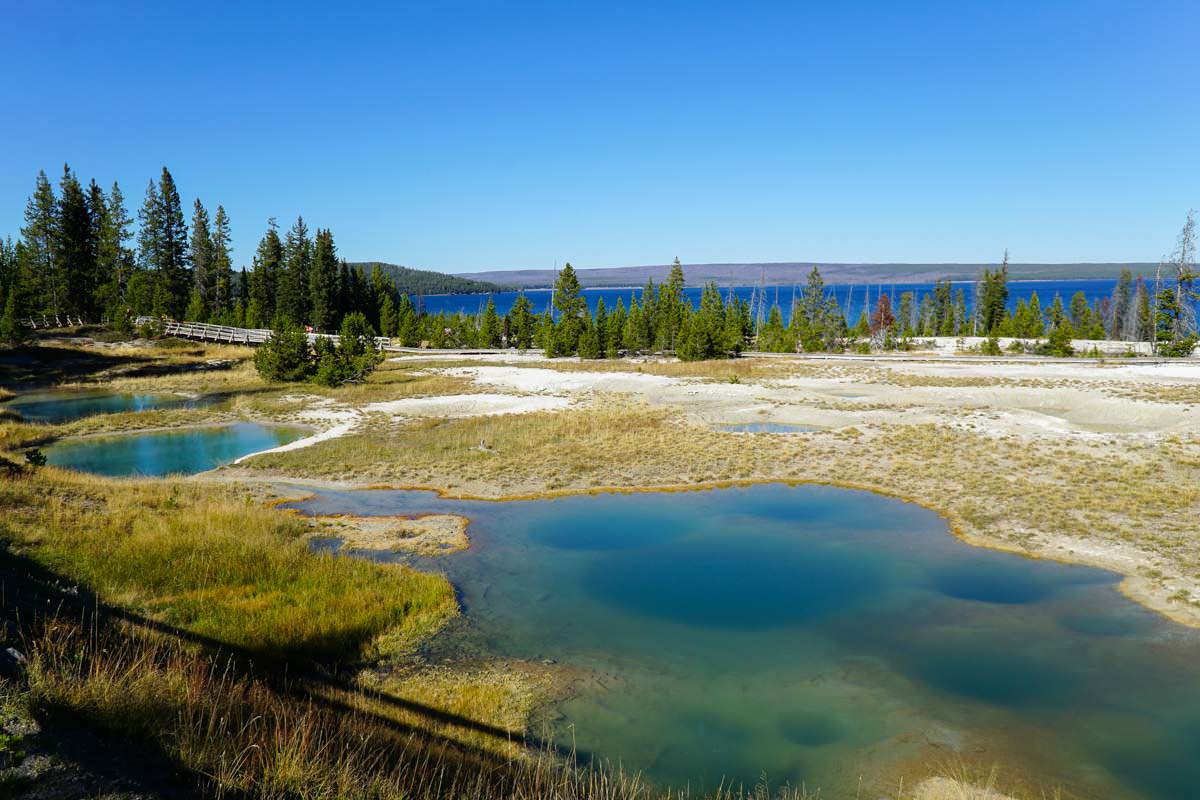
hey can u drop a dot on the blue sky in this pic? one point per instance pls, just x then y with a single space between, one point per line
464 136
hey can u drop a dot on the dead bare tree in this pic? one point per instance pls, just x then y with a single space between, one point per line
1184 261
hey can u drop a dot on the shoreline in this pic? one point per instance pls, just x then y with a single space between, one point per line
954 526
924 766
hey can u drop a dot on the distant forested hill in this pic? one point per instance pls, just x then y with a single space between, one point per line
791 273
423 281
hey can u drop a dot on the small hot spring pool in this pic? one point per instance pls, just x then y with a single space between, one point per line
765 427
154 454
64 406
818 635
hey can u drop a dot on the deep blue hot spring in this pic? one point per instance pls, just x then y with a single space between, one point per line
818 635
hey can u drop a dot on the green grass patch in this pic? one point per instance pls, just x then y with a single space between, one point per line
213 561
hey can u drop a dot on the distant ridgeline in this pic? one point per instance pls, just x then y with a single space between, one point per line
421 281
796 273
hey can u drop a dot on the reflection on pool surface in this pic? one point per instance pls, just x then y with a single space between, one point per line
819 634
184 451
64 406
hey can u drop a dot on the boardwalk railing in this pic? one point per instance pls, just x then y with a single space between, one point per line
206 332
56 321
226 334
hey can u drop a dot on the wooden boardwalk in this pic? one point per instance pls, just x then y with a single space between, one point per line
225 334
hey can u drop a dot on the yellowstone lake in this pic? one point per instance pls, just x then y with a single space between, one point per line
816 635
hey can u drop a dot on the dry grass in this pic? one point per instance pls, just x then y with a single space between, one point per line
439 736
268 741
430 535
218 564
718 370
501 695
183 373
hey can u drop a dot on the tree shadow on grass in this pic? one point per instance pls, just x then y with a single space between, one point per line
36 366
31 595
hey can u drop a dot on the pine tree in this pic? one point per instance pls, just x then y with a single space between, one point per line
736 318
927 316
381 286
690 342
323 282
9 269
75 247
1020 321
489 325
668 310
703 332
173 268
39 274
221 299
631 334
943 308
862 328
647 328
904 317
1081 313
1057 313
354 357
286 356
243 287
163 245
1142 327
589 339
264 278
150 229
1035 325
522 322
293 299
1123 322
203 274
197 309
114 261
407 324
358 295
773 337
1059 341
993 298
572 308
11 330
833 327
601 326
345 291
97 205
388 322
614 336
812 298
543 335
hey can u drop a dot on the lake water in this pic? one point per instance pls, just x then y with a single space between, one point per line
851 298
184 451
63 406
819 635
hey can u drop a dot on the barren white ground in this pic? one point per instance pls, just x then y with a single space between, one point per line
1037 400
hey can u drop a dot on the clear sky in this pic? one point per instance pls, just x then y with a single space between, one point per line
464 136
